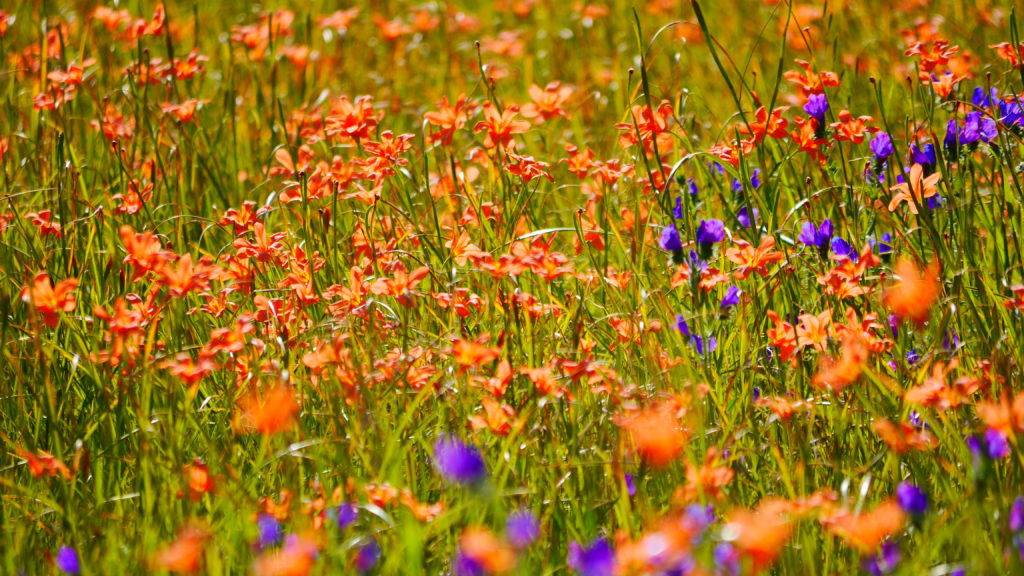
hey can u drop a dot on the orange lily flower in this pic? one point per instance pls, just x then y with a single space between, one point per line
916 190
915 293
49 299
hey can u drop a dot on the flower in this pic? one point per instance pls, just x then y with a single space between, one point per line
819 236
916 291
522 528
458 462
731 298
682 326
924 156
596 559
744 216
670 241
1017 515
912 499
347 514
843 248
703 345
67 560
710 232
269 530
886 560
367 556
817 105
920 188
982 100
997 444
881 146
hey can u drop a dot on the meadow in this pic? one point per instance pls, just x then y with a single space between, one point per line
514 287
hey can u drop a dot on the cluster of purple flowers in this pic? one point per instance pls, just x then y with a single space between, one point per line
458 462
703 345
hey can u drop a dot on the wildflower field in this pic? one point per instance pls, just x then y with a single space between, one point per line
515 287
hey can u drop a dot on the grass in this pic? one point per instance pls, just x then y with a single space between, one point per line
224 327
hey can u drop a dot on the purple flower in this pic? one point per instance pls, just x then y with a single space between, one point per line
912 499
682 326
692 185
67 560
347 514
743 217
522 528
757 394
727 559
894 325
988 130
816 107
367 556
677 210
1011 113
1017 515
270 532
732 297
997 444
736 185
699 517
883 245
982 100
670 241
819 237
958 571
705 346
630 484
755 178
950 340
913 357
458 462
925 156
844 249
881 146
466 566
597 559
710 232
954 138
886 560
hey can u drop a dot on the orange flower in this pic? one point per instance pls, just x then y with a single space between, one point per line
49 299
706 480
474 353
1005 415
200 481
814 330
449 118
274 412
43 463
761 534
850 128
865 531
500 127
916 191
185 554
752 259
782 336
915 293
934 392
295 559
547 102
656 433
480 545
838 374
772 125
902 437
